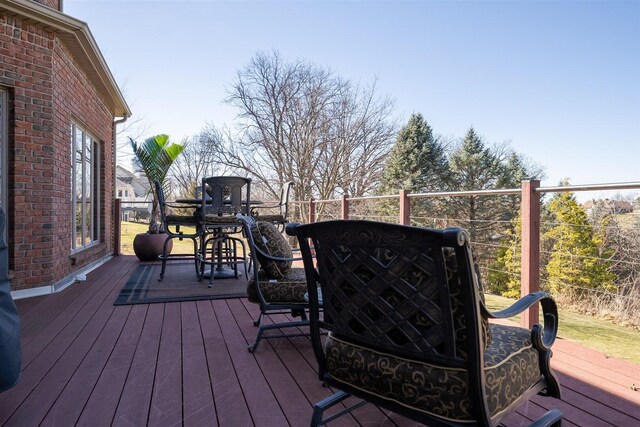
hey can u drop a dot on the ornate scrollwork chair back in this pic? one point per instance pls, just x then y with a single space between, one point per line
222 199
408 329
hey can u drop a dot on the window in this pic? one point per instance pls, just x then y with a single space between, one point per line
85 182
120 193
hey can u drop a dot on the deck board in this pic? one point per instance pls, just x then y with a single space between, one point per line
166 400
133 407
230 409
258 395
103 402
71 401
87 362
197 397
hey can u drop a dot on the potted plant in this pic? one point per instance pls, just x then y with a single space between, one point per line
154 158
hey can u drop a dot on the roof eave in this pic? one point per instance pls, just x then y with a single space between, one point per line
77 36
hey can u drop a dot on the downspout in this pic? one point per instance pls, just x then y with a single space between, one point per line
116 224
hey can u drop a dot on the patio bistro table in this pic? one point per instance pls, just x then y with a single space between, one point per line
221 272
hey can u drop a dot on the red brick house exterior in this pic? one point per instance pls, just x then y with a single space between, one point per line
61 107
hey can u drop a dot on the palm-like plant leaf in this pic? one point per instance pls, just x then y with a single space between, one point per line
154 158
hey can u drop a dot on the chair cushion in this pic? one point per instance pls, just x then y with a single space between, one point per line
181 220
289 289
270 241
223 219
510 368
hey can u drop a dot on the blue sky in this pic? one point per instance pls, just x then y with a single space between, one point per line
559 80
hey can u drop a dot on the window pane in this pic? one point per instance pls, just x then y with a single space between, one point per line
88 149
85 183
95 192
78 163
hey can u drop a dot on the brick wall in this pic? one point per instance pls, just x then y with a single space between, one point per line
54 4
47 91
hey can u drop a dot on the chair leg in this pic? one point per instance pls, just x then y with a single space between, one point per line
258 320
202 257
299 312
195 255
164 258
262 328
244 262
214 248
231 252
552 418
320 407
253 346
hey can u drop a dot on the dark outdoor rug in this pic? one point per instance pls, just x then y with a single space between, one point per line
180 284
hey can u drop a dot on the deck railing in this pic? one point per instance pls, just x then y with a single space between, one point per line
530 206
529 195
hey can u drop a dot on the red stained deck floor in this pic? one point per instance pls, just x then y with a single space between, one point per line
87 362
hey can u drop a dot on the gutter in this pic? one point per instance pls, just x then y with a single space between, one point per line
78 38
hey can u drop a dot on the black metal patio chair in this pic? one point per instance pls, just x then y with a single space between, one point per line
222 199
174 220
276 286
409 331
265 212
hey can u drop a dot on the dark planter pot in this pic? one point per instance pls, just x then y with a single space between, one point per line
148 247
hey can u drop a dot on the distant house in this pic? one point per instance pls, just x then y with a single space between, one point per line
139 184
613 206
59 108
133 190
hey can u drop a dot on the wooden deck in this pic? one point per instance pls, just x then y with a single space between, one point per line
86 362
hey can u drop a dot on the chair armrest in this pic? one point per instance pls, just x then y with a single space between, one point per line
273 258
176 205
542 337
255 208
517 307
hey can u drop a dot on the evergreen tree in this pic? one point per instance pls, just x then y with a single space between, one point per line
575 264
515 170
475 167
504 274
417 163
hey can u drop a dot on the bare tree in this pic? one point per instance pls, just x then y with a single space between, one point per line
303 123
198 160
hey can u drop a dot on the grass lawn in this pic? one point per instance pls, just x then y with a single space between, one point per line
612 340
130 229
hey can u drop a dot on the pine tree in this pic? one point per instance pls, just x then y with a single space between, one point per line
575 264
475 167
417 163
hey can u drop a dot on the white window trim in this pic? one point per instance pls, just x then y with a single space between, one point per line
94 182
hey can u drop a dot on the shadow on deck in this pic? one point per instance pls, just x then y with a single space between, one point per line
87 362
